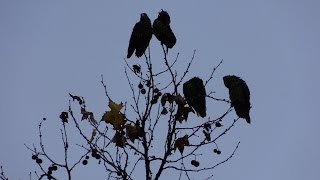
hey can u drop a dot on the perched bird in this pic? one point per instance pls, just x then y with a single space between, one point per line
140 36
239 95
162 30
195 95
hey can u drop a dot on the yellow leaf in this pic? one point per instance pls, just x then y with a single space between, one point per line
108 117
118 121
114 106
114 116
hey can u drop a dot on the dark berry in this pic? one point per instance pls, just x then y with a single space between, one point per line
39 161
195 163
215 150
85 162
159 94
136 68
218 152
49 172
34 157
156 97
87 157
154 101
143 91
98 156
93 154
140 86
148 84
94 150
54 167
156 90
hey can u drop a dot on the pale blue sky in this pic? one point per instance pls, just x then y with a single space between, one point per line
51 48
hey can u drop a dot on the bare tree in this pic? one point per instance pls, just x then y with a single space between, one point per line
127 134
151 129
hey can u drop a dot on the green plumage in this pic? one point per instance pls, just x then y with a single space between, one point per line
195 95
239 95
162 30
140 37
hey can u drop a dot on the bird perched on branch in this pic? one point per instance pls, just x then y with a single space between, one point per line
162 30
239 95
140 36
195 94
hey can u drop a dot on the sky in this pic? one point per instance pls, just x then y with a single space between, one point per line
51 48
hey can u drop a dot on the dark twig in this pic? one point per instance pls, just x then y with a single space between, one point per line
214 70
188 67
104 86
2 175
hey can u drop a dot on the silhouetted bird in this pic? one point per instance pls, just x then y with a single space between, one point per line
195 94
162 30
140 37
239 95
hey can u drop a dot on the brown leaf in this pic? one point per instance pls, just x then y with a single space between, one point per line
93 134
139 129
77 98
88 115
136 68
183 113
64 117
119 139
181 142
132 132
179 100
166 97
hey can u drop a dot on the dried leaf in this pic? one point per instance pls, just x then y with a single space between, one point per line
136 68
64 117
132 132
139 129
93 134
119 139
179 100
88 115
183 113
77 98
166 97
181 142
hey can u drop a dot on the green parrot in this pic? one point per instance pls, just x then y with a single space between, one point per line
163 31
140 36
195 95
239 95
